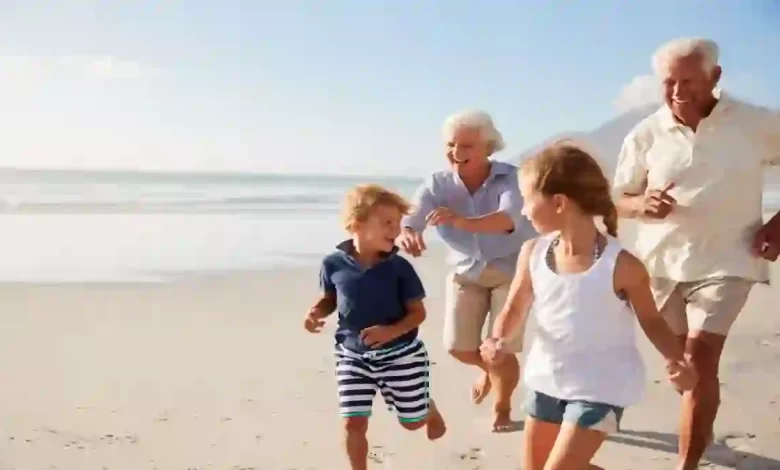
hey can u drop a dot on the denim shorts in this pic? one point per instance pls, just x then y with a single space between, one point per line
583 414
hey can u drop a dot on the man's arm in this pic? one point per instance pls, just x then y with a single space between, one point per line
630 180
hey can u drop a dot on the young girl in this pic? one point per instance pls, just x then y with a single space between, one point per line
583 368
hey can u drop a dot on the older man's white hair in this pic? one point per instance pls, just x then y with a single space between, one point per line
707 49
475 120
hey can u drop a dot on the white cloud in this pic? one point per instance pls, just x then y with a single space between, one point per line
84 67
643 90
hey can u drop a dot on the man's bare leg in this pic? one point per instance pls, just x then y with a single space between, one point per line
481 388
700 405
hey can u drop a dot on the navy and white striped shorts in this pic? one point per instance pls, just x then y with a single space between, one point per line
400 374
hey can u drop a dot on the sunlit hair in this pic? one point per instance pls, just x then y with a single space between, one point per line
707 49
474 120
565 168
362 200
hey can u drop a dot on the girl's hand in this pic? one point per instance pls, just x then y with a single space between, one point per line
682 374
492 350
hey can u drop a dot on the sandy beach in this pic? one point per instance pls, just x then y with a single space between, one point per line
219 374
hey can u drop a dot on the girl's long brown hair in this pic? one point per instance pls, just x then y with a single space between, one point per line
564 168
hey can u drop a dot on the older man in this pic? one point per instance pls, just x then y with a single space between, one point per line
476 207
692 173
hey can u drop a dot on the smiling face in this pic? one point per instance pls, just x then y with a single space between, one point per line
467 150
688 87
380 229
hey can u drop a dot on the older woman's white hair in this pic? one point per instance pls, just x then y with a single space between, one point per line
707 49
475 120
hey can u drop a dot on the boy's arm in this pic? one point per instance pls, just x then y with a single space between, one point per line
325 305
632 278
520 296
412 294
415 315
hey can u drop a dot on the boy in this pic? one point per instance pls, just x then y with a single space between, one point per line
379 299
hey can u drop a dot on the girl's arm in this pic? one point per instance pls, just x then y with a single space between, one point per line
631 278
520 296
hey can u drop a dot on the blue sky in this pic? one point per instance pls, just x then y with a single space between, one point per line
338 86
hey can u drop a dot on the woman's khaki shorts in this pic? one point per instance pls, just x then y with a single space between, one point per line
469 302
710 305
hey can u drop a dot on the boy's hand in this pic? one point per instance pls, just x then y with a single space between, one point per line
375 336
682 374
313 321
412 242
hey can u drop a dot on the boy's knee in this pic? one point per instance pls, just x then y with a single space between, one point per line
356 425
413 425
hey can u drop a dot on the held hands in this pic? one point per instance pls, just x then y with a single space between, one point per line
657 203
492 351
375 336
682 374
313 322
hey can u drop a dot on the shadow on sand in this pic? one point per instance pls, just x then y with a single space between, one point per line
724 452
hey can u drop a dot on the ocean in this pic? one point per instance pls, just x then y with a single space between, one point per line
78 226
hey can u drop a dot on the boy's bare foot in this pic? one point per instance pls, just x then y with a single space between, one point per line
481 388
502 420
435 427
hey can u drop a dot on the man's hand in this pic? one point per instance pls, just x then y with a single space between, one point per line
444 216
765 243
412 242
313 322
657 203
375 336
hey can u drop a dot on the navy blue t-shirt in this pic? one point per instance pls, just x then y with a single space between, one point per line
369 297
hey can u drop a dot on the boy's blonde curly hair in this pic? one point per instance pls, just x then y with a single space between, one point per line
362 200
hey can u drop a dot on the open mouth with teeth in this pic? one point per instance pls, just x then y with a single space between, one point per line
460 161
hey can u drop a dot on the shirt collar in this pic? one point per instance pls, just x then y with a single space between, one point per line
669 122
347 247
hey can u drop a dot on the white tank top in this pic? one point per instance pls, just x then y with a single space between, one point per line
584 346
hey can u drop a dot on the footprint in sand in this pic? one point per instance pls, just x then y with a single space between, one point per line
474 453
378 454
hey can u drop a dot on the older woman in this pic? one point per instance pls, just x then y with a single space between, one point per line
475 206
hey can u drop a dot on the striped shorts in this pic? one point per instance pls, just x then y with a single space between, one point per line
400 374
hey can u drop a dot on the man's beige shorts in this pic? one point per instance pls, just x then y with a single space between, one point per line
469 302
710 305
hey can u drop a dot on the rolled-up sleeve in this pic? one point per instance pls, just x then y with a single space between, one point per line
510 201
631 170
423 203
